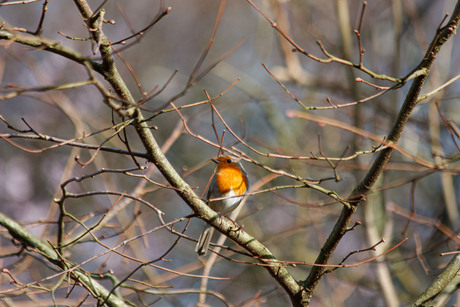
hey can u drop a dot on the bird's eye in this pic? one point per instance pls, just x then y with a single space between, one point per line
229 161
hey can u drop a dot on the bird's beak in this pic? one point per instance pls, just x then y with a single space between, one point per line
215 161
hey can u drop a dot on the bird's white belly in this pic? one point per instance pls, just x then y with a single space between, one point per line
227 205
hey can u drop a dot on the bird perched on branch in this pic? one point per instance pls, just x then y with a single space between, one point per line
228 184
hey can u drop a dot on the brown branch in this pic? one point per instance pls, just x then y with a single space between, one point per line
353 129
330 58
427 221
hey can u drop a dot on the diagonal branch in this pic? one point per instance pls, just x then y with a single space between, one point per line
156 156
21 234
443 279
360 191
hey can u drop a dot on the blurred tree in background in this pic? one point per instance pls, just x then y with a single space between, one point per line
345 115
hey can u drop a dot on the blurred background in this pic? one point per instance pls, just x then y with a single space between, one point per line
292 223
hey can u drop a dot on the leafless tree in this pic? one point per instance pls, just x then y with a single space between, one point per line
344 114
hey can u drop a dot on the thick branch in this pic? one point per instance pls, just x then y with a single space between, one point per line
21 234
439 283
51 46
182 188
380 162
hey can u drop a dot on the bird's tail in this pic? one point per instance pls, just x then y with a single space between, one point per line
204 240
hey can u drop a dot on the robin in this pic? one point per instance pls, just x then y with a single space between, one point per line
230 182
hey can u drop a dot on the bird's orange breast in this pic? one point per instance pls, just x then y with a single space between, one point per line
229 178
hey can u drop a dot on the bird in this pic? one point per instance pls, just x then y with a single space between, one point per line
230 182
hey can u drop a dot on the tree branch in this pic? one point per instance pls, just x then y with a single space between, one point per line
358 194
439 283
157 157
24 236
